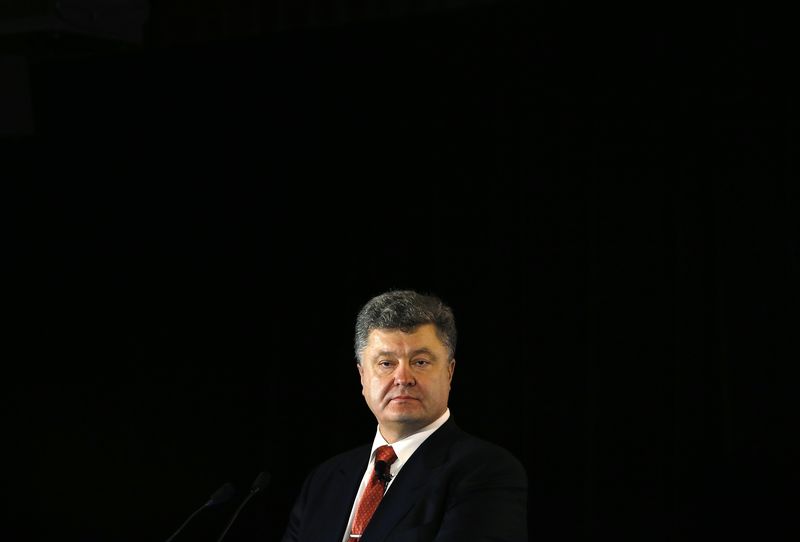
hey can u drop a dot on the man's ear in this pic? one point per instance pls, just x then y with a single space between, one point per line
361 376
451 368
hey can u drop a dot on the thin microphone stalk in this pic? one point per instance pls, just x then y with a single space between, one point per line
261 481
225 492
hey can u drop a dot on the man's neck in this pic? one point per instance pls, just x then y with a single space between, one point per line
392 435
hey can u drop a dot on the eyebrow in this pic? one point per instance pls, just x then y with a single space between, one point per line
389 353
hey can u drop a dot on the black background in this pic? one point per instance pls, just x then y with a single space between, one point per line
607 200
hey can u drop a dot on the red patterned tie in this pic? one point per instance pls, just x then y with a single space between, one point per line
373 493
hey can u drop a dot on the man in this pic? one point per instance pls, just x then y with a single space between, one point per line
422 478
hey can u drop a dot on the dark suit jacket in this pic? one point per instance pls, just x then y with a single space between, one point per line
455 487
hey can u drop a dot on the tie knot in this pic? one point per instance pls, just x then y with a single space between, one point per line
385 454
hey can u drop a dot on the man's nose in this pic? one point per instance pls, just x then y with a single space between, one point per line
403 376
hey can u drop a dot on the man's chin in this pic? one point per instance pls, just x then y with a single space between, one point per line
403 415
408 420
404 425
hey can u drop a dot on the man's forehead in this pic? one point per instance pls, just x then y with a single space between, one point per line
422 329
424 334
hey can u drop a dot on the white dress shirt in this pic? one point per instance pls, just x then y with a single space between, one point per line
403 449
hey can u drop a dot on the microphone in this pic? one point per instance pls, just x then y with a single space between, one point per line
261 481
382 472
224 493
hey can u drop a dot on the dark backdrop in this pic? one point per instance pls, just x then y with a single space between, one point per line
609 206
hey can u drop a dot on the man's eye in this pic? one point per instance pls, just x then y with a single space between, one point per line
421 362
385 363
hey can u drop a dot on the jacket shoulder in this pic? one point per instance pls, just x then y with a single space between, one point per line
343 460
474 448
470 447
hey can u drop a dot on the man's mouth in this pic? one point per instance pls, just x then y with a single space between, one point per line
403 398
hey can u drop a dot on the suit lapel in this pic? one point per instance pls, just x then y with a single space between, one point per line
329 522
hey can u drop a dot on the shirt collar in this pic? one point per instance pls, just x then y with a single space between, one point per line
404 447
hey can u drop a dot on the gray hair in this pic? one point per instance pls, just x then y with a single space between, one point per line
405 310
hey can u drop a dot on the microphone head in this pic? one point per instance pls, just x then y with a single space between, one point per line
382 471
261 481
224 493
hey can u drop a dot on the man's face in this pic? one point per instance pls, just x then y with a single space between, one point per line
405 379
